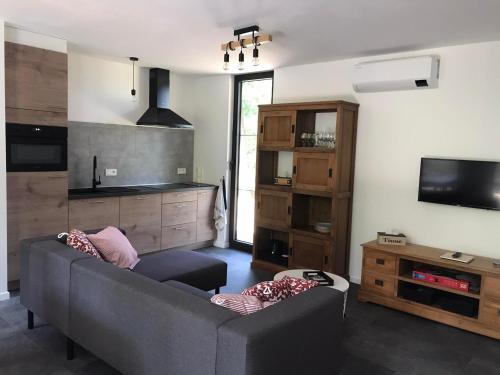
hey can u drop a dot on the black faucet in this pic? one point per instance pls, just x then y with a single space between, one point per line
94 181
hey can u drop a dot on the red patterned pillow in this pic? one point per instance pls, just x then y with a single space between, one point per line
269 291
296 286
243 305
79 241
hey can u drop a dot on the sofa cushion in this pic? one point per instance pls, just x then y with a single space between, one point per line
241 304
269 291
189 289
296 285
190 267
78 240
115 247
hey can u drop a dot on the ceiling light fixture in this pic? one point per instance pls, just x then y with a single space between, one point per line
255 41
133 92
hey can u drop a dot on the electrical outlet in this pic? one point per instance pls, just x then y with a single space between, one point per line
111 172
181 170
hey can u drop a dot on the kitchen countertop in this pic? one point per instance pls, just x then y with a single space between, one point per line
119 191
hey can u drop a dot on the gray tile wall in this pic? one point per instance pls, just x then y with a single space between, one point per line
142 155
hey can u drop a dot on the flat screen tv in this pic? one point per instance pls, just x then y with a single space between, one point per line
467 183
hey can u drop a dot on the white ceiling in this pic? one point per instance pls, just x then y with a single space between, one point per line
185 35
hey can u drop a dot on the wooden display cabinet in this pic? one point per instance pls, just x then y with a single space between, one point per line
277 129
321 190
272 249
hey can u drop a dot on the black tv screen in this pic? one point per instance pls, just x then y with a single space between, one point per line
467 183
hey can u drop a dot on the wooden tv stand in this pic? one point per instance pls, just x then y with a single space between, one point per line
387 280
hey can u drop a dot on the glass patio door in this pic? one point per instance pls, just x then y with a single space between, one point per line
250 90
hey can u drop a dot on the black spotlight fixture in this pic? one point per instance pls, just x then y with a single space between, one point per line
225 66
241 58
133 92
255 60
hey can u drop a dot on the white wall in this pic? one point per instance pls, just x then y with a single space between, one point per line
3 188
211 100
395 129
99 91
29 38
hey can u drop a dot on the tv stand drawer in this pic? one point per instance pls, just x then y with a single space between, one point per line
378 283
377 261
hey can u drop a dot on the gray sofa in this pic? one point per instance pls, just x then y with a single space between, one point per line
144 327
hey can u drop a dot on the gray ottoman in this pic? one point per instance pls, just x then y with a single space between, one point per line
189 267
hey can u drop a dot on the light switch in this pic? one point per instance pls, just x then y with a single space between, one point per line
111 172
181 170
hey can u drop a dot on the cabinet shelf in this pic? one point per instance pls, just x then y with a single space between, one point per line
315 149
309 231
284 188
411 280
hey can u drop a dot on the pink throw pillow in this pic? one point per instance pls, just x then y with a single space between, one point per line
115 247
243 305
296 286
268 291
78 240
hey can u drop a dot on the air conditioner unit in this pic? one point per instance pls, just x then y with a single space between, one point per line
410 73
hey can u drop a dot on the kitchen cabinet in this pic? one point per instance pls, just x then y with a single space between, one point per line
277 129
140 217
313 170
37 205
178 235
36 85
95 213
178 213
205 226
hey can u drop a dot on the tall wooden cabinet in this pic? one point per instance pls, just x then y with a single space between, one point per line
321 190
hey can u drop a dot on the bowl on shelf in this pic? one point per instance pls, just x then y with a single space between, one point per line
323 227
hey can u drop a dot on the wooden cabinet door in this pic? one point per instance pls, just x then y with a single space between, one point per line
277 128
178 213
37 205
309 252
274 208
178 235
95 213
205 225
140 217
313 171
35 80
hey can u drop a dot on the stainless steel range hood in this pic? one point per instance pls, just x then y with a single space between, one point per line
158 112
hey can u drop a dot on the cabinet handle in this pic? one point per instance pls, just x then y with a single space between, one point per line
181 205
289 210
57 177
258 205
326 259
293 128
179 228
330 172
294 169
96 201
141 198
261 127
380 261
291 251
379 282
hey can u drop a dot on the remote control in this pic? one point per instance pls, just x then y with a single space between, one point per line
456 254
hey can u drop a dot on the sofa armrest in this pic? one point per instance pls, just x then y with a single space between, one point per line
300 335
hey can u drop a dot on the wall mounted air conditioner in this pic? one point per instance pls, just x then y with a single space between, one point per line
410 73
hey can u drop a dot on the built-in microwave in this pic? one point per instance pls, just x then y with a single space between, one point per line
35 148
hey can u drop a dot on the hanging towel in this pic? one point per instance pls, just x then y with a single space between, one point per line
220 216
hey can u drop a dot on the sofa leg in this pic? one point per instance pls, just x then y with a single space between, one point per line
217 290
31 320
70 349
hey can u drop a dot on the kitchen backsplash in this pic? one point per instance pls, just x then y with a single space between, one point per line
141 154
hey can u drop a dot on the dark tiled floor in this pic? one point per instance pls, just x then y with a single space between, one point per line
378 341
